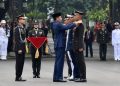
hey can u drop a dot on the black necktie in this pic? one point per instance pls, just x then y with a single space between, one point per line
88 34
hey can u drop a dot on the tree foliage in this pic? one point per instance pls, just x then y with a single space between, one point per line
100 15
97 9
36 15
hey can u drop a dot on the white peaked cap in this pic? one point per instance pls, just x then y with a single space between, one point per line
116 23
3 21
69 16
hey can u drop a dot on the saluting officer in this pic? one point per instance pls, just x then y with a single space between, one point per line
102 39
20 47
36 62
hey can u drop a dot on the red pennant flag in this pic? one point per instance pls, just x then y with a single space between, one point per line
37 41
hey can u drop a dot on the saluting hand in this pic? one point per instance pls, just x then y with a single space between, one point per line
78 22
81 49
19 51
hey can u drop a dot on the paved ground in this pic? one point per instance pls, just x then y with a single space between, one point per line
98 73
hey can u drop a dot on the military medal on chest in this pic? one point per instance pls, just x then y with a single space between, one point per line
22 34
40 33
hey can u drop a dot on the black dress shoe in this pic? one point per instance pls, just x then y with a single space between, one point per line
71 79
38 76
91 56
20 79
83 80
102 59
80 80
61 80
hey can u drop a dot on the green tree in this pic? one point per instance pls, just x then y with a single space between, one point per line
97 9
99 15
37 9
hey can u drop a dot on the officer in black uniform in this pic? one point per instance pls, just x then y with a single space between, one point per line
78 47
36 62
102 39
20 47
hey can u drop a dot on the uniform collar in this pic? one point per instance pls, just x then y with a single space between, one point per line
20 25
117 29
57 21
36 29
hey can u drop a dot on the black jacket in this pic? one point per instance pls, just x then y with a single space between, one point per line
102 36
90 39
20 35
78 37
32 33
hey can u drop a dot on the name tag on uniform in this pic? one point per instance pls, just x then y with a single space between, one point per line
40 33
100 32
105 31
33 34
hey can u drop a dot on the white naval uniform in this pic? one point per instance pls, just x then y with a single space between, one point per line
3 43
116 43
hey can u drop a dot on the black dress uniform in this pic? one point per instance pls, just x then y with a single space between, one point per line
102 39
19 50
78 43
36 62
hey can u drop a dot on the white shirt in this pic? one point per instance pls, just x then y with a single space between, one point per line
2 33
116 37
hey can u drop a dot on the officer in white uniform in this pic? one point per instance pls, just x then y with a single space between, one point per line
4 34
69 50
116 41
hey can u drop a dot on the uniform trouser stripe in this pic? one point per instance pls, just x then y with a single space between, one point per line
71 63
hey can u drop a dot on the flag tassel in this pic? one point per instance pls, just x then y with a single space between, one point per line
37 54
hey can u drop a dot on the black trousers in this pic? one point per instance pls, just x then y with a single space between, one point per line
89 46
102 51
81 66
36 62
20 58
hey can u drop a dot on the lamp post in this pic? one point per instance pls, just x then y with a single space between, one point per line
25 9
50 12
25 6
25 3
2 9
2 4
